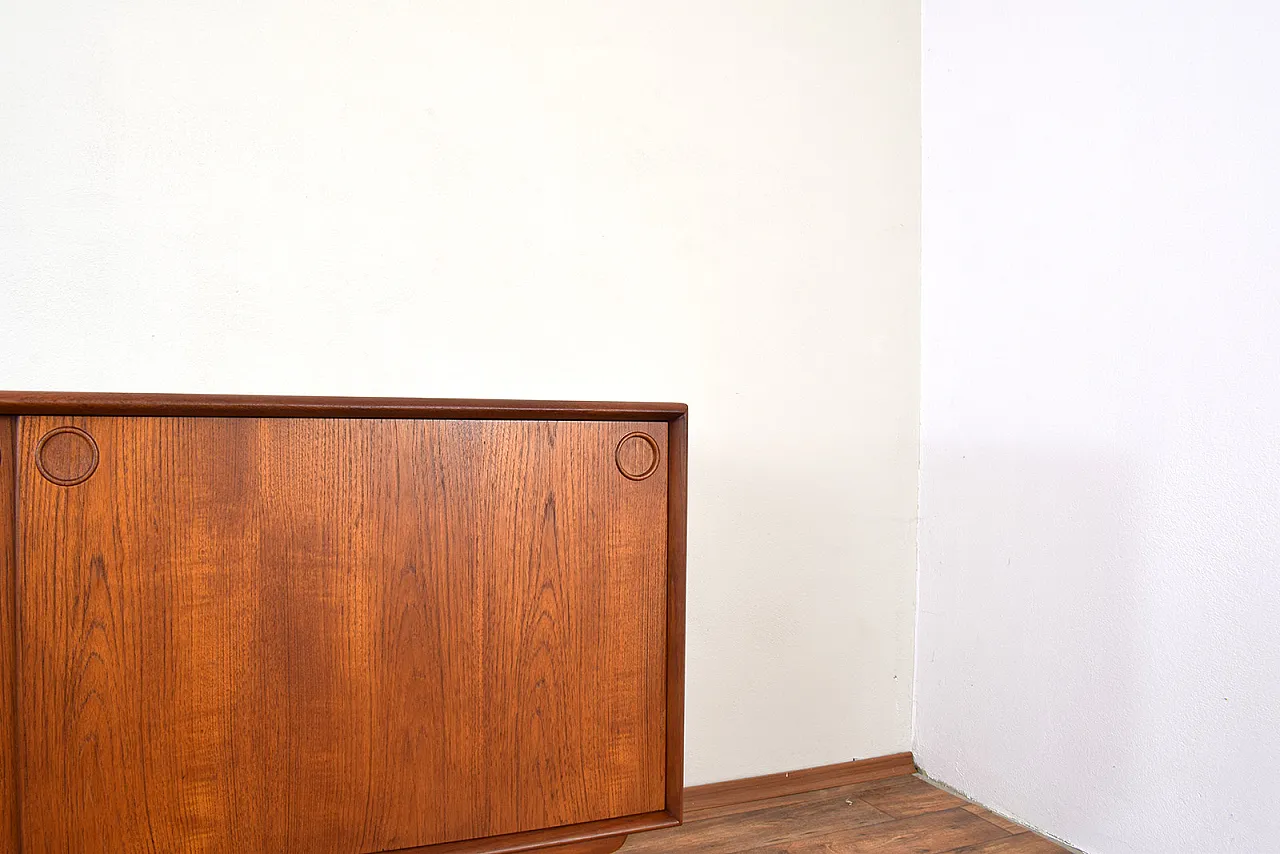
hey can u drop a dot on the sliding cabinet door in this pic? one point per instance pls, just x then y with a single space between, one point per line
257 636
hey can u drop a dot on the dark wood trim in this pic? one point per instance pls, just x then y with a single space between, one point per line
537 840
10 735
796 782
271 406
677 522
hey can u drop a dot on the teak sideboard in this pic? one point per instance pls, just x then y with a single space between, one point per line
272 625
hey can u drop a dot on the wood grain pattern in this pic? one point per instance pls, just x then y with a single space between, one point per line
326 635
677 454
66 456
844 819
10 830
638 455
838 793
599 846
930 833
908 796
998 820
553 840
807 780
274 406
805 819
1025 843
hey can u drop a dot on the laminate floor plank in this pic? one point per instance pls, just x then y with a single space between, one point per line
1024 843
816 817
908 796
902 815
929 833
853 790
998 820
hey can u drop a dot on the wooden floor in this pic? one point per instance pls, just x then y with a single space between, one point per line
902 815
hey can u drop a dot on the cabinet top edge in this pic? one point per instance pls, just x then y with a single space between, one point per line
284 406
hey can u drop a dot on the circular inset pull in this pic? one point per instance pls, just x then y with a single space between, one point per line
637 455
67 456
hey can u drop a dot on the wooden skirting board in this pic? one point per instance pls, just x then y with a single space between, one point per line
794 782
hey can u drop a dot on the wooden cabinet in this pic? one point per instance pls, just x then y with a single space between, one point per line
327 626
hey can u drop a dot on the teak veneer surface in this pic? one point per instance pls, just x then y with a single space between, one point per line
338 635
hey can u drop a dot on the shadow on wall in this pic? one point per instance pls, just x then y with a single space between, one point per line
1030 606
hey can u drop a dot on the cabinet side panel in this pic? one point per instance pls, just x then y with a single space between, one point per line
10 831
677 513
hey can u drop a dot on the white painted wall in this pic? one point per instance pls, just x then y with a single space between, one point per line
1099 629
715 202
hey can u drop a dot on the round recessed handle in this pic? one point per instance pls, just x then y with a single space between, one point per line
637 455
67 456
